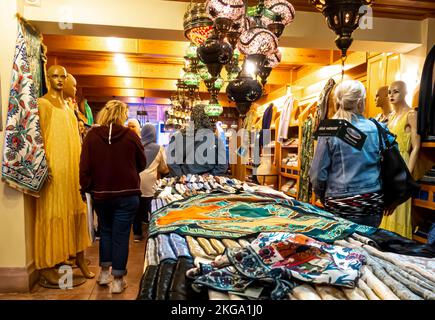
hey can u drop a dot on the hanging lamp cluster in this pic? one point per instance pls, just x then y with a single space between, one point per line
251 31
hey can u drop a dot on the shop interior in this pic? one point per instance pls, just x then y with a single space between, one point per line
142 53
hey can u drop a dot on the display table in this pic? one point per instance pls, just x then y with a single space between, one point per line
257 243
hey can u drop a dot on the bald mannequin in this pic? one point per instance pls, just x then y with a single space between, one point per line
56 81
382 102
397 93
70 87
60 204
69 93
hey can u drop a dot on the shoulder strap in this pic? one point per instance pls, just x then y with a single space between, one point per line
383 139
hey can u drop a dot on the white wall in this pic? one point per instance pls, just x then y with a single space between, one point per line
13 251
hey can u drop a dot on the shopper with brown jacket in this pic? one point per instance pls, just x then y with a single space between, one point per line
112 157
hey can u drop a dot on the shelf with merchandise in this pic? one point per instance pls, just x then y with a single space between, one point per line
425 197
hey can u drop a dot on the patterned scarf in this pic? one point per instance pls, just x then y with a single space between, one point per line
24 161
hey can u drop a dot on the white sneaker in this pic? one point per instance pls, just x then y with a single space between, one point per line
104 277
118 285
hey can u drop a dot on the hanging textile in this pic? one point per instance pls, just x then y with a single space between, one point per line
24 162
285 119
307 153
88 113
36 57
221 215
426 99
266 121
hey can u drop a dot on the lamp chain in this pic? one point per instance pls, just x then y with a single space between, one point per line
343 60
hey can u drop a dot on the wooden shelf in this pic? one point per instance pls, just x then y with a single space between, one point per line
419 239
290 147
428 144
423 204
291 168
288 175
427 187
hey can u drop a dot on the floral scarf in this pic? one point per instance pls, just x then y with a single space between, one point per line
24 161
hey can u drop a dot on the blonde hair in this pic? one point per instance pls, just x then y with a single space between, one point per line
350 98
114 112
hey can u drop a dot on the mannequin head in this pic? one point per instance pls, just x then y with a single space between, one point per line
397 92
381 99
56 77
82 127
70 87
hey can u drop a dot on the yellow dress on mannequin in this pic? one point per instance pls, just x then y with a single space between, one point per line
61 218
400 220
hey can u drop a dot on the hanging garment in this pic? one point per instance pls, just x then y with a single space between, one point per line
24 165
324 97
426 99
267 118
61 227
35 57
307 154
285 119
400 220
88 113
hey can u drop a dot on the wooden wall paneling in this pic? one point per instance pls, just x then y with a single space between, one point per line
376 74
392 68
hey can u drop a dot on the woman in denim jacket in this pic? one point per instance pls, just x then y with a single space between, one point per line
347 180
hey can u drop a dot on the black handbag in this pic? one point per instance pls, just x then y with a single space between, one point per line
398 185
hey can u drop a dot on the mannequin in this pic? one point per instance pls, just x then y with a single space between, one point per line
61 228
382 102
69 94
403 123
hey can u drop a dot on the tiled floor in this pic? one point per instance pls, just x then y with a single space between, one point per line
90 290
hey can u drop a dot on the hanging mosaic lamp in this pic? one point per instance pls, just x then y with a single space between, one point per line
191 51
213 109
279 14
271 62
215 53
257 43
342 16
224 12
244 90
197 23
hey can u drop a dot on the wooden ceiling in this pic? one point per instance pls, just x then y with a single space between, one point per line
398 9
132 69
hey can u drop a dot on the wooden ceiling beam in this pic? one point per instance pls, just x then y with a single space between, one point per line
125 68
141 49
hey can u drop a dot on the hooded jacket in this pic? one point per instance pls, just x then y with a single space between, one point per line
110 162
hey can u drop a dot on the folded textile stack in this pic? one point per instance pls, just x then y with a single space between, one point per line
288 185
177 188
429 177
279 265
291 160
